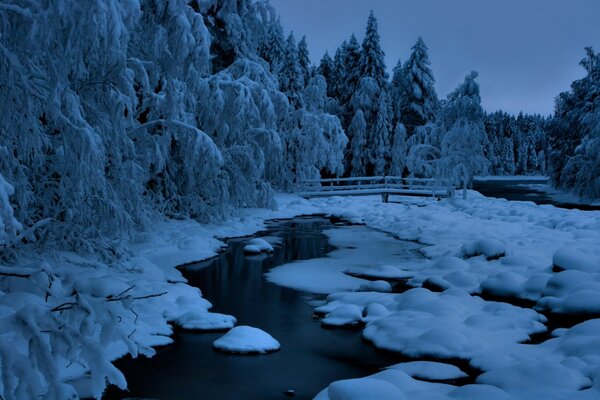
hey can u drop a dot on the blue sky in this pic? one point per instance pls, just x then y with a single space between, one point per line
526 51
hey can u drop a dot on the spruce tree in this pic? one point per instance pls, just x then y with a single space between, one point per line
275 48
373 58
357 133
419 101
326 70
397 90
304 60
399 151
464 142
291 80
379 142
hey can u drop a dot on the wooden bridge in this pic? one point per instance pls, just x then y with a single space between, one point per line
376 185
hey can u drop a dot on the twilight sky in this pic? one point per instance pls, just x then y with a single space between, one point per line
526 51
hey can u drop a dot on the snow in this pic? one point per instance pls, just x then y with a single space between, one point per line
344 315
455 323
570 258
246 340
518 178
376 286
257 246
430 370
356 250
490 248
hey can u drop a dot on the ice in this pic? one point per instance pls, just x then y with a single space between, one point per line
430 370
246 340
358 249
345 315
258 245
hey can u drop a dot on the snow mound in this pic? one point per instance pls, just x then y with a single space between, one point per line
257 246
246 340
567 258
374 311
346 315
362 389
430 370
379 272
451 324
206 321
376 286
490 248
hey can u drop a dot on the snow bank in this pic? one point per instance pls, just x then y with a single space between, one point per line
246 340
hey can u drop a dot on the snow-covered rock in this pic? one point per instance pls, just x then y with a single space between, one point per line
345 315
490 248
567 258
376 286
257 246
246 340
430 370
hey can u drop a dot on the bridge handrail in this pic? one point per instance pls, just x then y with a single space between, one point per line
366 183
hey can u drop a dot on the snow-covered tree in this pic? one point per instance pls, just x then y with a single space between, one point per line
358 134
325 69
379 143
418 98
372 60
399 151
291 79
304 60
462 150
274 49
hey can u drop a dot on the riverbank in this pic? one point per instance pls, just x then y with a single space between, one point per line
128 306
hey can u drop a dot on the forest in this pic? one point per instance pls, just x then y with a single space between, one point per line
120 113
123 111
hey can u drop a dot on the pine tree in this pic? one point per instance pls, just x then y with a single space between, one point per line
358 134
351 58
379 142
419 101
325 69
373 58
275 48
399 151
291 80
304 60
463 144
397 90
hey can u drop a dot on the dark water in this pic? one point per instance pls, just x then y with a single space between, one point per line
310 357
518 191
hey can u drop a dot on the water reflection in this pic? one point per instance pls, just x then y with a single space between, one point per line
310 358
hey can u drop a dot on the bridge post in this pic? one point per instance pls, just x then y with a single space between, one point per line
385 197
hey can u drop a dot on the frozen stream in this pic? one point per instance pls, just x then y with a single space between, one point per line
311 357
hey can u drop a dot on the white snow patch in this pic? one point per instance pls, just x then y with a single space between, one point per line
430 370
246 340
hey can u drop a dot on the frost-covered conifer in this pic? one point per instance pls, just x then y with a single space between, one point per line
399 151
358 136
304 60
379 143
291 79
418 102
372 60
463 144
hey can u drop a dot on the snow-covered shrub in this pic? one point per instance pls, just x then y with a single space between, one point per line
9 226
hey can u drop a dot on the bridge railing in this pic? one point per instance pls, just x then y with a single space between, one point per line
378 184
